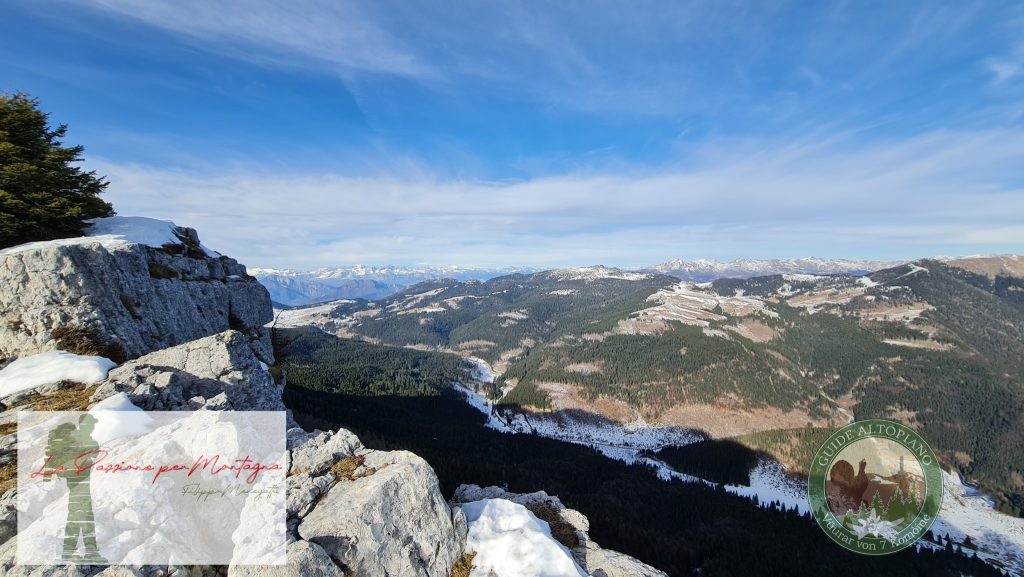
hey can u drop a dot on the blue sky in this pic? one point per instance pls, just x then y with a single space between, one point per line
314 133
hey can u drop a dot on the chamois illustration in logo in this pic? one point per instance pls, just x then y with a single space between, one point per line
70 451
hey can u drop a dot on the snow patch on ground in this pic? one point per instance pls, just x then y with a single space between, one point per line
688 304
410 303
589 273
52 367
290 318
867 282
770 483
598 434
482 370
118 417
800 277
510 541
116 232
965 512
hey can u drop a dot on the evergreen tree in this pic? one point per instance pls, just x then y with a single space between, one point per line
876 504
897 508
42 194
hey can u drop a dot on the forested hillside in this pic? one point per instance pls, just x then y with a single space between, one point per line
927 343
681 528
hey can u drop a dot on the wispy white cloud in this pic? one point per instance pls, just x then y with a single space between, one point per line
921 196
334 32
1008 68
664 59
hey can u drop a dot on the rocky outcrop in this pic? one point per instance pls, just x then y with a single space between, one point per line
596 561
389 518
219 372
126 298
351 510
192 321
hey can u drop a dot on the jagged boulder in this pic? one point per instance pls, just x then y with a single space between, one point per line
304 558
389 518
218 372
121 297
593 559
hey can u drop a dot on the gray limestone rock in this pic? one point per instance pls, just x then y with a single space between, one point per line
392 522
132 297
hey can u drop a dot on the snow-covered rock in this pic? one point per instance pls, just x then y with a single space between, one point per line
52 367
124 290
510 541
487 539
118 417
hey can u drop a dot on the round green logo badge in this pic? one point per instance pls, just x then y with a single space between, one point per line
875 487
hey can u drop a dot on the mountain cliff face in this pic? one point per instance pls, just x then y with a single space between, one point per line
194 330
128 298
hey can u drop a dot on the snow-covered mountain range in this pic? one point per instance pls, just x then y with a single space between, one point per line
703 270
297 288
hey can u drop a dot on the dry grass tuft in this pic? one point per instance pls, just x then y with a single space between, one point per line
87 341
347 467
463 566
8 476
561 530
73 397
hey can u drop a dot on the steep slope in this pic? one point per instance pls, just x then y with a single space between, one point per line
680 527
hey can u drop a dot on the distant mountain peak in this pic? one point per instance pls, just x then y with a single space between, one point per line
989 265
594 273
299 288
702 270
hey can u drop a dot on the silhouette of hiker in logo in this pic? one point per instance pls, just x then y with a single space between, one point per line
66 444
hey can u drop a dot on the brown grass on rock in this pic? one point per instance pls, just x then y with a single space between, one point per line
463 566
72 397
8 476
561 530
87 341
347 469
